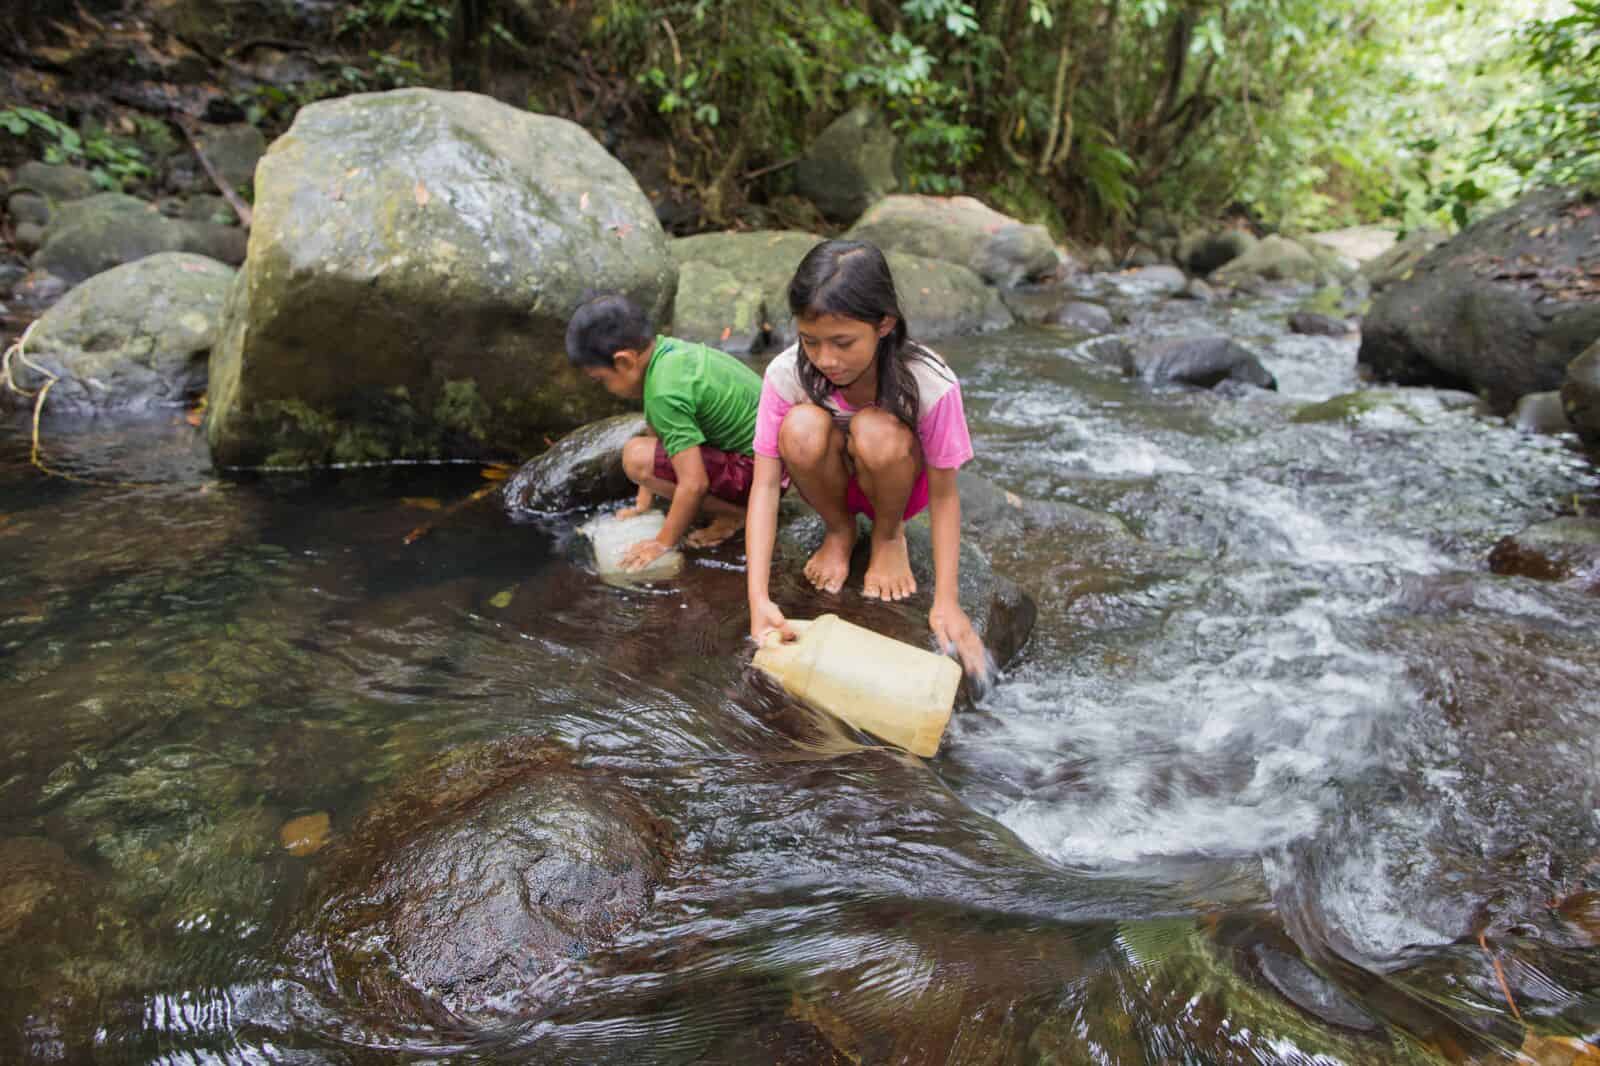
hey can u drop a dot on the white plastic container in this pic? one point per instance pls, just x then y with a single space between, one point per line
611 537
880 685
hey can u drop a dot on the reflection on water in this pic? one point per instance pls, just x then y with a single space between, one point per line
1271 765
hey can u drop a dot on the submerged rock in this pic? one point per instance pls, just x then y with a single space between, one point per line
414 261
475 887
131 339
1541 412
1202 361
582 469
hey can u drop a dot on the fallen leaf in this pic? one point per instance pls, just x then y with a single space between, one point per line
1560 1051
622 229
425 503
501 599
420 194
727 331
194 416
496 471
583 202
305 835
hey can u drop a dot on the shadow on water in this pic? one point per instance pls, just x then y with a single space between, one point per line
1284 775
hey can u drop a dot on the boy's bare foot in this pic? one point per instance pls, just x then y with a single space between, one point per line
715 531
889 570
828 568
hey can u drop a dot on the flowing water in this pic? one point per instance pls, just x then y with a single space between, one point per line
1283 775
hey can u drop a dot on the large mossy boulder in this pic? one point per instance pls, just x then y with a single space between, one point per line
131 339
414 261
1273 259
962 230
1500 310
56 182
94 234
850 166
582 469
1580 395
475 883
718 307
1201 361
1397 263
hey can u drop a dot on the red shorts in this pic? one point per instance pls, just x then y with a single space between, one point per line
731 474
856 500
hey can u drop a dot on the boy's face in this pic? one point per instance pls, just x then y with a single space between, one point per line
624 379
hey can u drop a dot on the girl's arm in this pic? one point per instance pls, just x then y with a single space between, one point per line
949 622
760 532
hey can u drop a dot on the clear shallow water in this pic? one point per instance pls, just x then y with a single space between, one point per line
1272 762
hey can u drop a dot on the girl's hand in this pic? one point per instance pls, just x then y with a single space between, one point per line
643 554
765 618
953 629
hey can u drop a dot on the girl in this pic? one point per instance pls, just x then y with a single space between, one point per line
866 421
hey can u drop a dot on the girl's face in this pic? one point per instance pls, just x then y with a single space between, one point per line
842 348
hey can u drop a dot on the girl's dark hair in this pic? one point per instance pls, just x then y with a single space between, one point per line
851 278
605 325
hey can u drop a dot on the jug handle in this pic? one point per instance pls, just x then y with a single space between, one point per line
775 638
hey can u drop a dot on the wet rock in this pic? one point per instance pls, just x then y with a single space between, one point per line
44 892
92 235
28 236
1168 280
234 151
476 885
715 306
28 207
57 183
1564 549
1272 259
1541 412
224 243
133 338
438 317
1202 361
944 299
1399 261
850 166
1580 395
1141 255
961 230
1198 290
1201 253
1084 316
1311 992
761 262
1501 309
582 469
1312 324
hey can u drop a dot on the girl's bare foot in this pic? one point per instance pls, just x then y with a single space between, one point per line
889 571
715 531
828 568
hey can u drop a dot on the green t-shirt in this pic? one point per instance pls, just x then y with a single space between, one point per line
698 395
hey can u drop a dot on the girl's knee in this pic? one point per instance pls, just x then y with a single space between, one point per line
806 434
879 439
639 459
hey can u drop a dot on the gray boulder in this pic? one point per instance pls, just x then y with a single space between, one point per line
1201 253
715 306
414 261
24 207
1202 361
850 166
582 469
1272 259
1580 395
1083 315
1159 279
1397 263
1312 324
1541 413
962 230
94 234
130 339
1501 309
57 183
945 299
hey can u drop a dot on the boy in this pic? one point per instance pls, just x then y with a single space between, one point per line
700 404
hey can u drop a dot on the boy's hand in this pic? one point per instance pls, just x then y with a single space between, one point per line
953 630
630 512
643 554
765 618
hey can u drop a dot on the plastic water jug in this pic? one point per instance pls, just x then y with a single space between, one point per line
611 537
878 684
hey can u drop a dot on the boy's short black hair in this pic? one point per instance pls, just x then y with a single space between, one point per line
605 325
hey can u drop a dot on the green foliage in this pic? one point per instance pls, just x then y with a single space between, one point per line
273 107
431 16
113 162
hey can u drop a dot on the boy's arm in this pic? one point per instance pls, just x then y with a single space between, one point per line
949 622
693 482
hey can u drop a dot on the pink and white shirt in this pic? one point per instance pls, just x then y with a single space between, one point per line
941 420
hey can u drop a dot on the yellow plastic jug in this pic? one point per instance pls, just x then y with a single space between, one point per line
611 537
876 683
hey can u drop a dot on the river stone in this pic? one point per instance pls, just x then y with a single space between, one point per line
28 236
944 299
1140 256
1083 315
1542 413
414 260
133 338
55 182
1202 361
960 229
1500 310
28 207
582 469
1399 261
1201 253
762 262
850 166
1161 278
234 150
1274 258
1313 324
715 306
88 236
1562 549
1580 395
478 883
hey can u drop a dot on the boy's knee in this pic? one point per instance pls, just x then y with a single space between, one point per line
639 459
805 434
879 439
